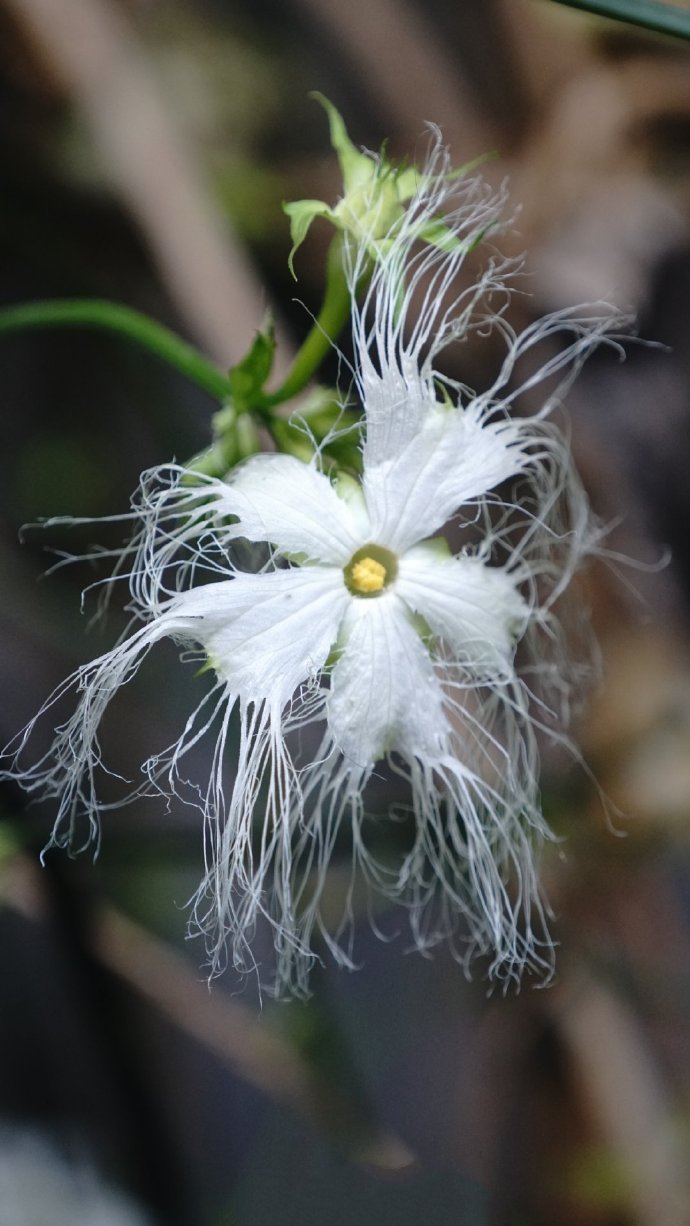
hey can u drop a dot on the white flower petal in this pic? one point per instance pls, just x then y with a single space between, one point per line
397 403
453 459
280 499
265 634
66 772
416 303
476 608
384 693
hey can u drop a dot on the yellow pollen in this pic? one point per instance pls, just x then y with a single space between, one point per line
368 575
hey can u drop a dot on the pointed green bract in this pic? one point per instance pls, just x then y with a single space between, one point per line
235 433
248 377
302 214
355 165
375 193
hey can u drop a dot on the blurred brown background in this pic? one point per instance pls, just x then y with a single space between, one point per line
145 149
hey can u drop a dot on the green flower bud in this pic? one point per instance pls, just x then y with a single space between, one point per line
375 192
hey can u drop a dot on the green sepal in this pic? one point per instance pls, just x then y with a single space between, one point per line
291 438
334 429
302 214
422 627
375 191
235 438
407 182
324 414
438 234
349 489
371 201
247 437
248 377
357 167
214 461
344 451
334 655
445 400
436 547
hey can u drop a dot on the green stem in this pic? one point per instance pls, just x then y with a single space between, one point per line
328 324
111 317
664 18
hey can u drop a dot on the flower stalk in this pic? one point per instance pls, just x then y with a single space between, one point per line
329 323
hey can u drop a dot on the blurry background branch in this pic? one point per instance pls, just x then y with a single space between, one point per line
94 51
623 1092
245 1042
395 51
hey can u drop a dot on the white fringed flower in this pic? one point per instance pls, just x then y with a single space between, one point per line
364 638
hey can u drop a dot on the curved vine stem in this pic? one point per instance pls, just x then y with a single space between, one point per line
113 317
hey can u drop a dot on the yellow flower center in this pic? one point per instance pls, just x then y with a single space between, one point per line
370 570
368 576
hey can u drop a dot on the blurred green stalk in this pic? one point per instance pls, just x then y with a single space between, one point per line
664 18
